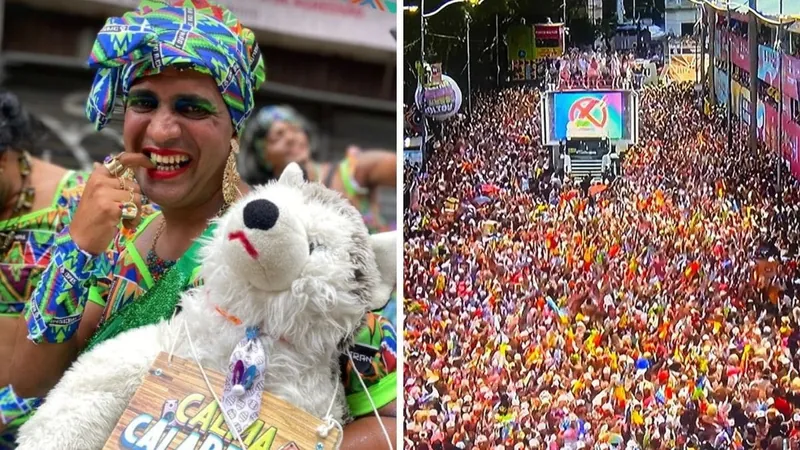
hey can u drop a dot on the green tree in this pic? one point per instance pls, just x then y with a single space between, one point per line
445 36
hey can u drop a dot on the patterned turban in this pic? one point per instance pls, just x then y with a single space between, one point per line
188 33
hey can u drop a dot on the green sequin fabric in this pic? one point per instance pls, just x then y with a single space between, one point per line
156 304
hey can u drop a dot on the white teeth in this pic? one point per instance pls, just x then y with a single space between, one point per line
168 160
167 167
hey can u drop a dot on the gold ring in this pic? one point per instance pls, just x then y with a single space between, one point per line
113 165
129 211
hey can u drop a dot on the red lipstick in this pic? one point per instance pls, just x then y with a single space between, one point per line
165 174
163 151
156 174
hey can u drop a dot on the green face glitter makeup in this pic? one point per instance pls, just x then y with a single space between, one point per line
142 101
194 107
188 105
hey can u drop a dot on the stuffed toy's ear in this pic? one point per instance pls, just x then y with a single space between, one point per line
385 247
292 175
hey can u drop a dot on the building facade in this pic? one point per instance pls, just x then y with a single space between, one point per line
762 90
680 17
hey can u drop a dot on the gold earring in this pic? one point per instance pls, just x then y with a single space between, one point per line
230 178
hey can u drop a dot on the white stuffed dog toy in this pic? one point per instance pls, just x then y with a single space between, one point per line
292 258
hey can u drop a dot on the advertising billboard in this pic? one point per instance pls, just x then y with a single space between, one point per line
549 40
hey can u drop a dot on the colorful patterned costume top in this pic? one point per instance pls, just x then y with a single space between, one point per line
30 253
20 270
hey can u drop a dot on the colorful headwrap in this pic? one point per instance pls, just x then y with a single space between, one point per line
189 33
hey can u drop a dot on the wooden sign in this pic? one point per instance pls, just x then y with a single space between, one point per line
173 410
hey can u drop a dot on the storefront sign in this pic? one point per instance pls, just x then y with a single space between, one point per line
173 409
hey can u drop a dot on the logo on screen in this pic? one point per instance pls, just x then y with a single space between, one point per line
589 114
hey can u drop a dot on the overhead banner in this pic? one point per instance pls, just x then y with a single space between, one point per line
740 53
721 86
791 73
548 40
792 149
768 65
767 124
736 91
722 46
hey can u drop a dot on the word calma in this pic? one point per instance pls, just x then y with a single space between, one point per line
189 424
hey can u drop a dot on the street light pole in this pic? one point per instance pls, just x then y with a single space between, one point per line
469 71
779 49
422 31
730 76
496 44
423 145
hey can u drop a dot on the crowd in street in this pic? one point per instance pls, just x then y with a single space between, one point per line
657 312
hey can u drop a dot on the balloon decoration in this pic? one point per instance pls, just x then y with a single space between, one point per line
439 101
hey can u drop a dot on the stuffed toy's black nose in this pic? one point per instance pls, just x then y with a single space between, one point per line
260 214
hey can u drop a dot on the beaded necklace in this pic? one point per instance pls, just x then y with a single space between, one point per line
155 264
24 204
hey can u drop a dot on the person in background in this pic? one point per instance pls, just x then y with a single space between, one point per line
279 135
37 199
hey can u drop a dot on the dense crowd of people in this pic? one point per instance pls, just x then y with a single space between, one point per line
657 312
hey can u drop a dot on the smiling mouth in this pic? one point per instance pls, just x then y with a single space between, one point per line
168 160
248 247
